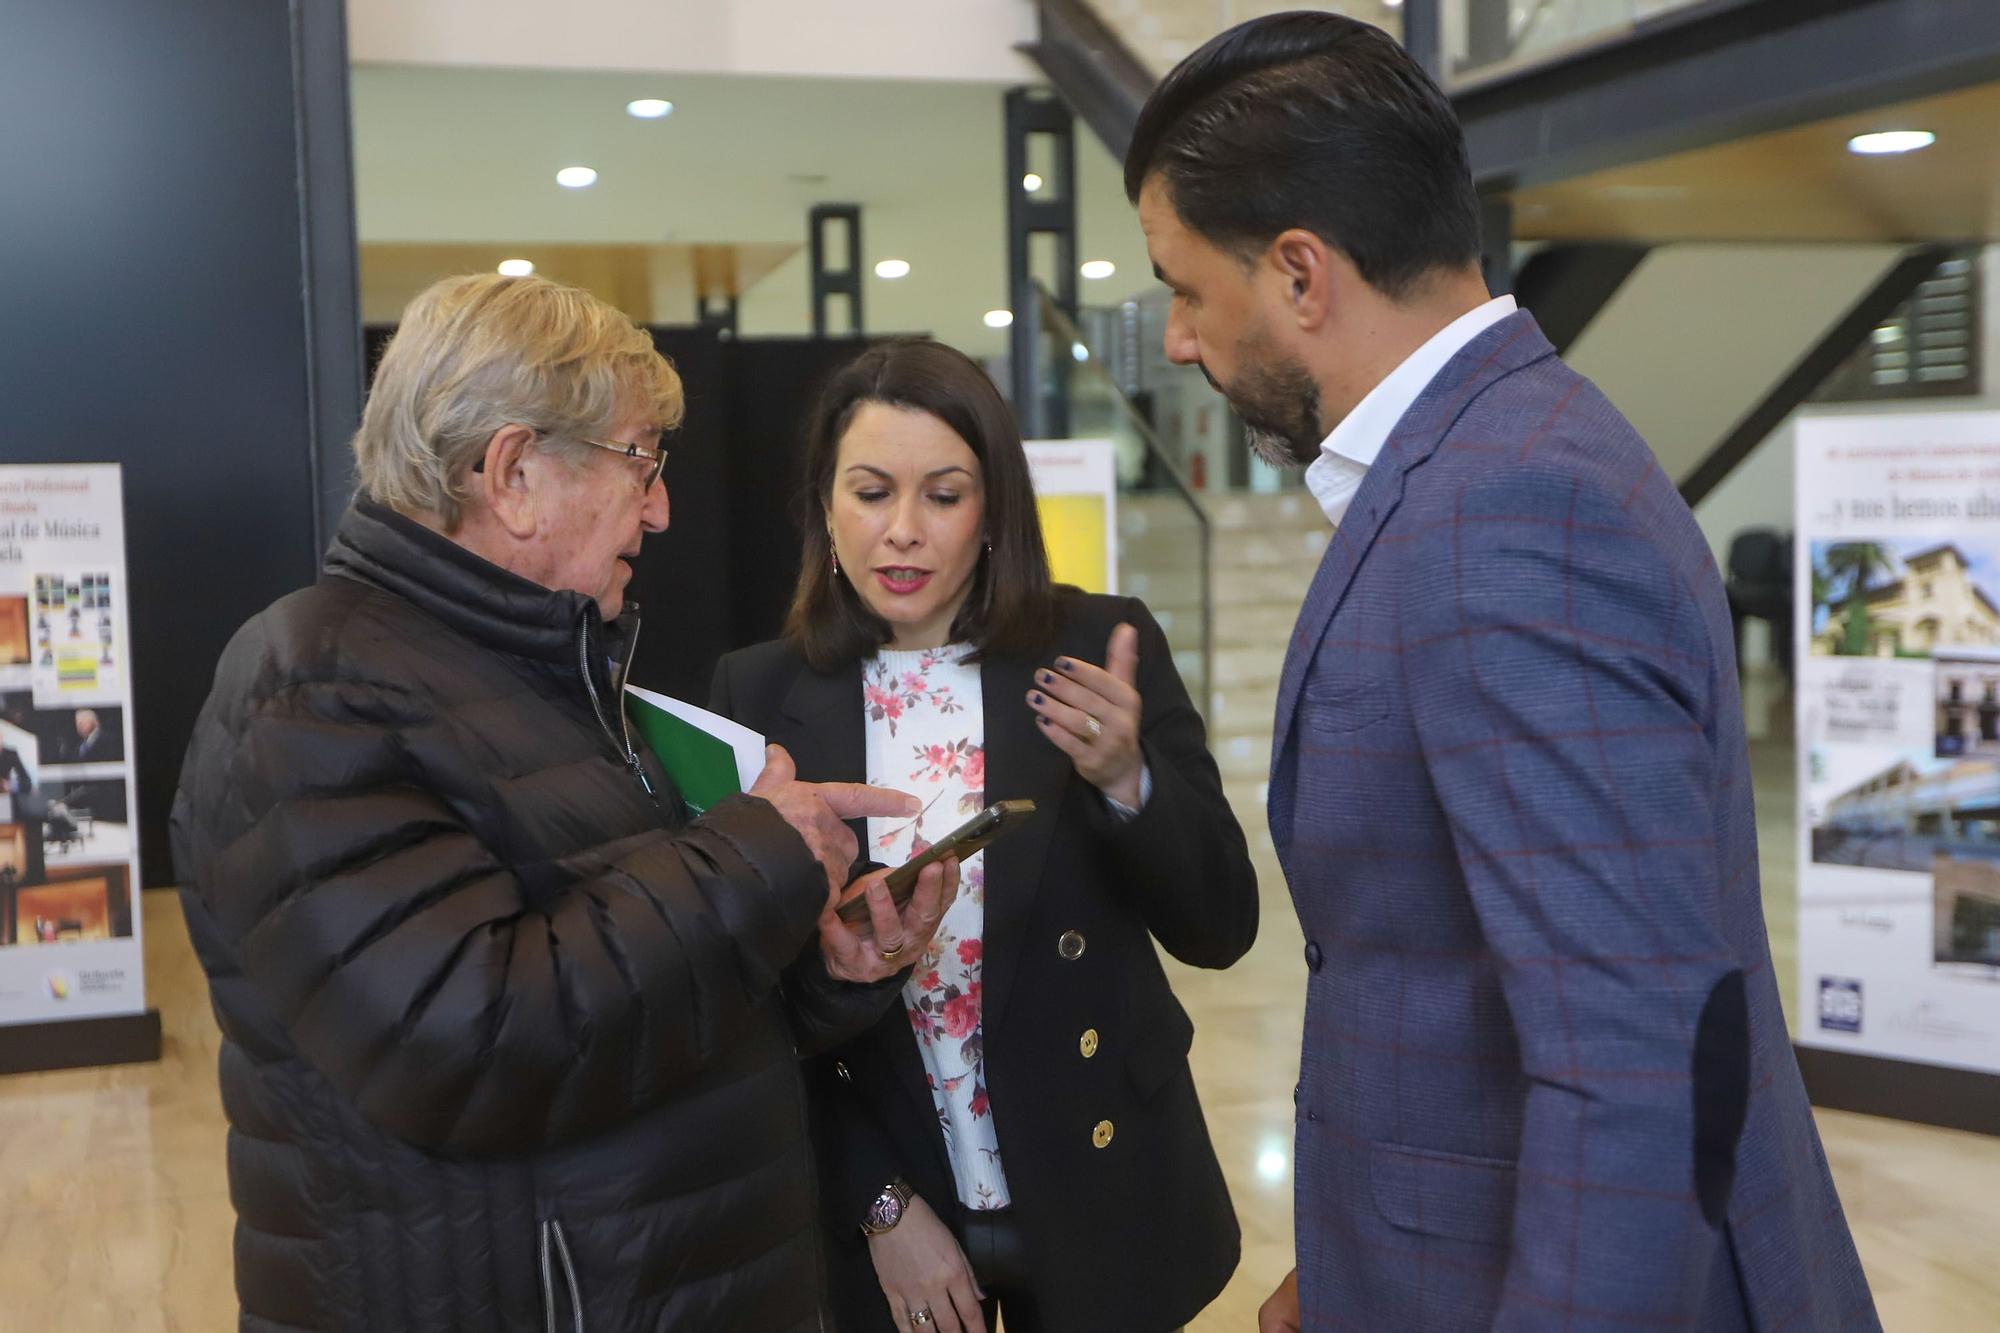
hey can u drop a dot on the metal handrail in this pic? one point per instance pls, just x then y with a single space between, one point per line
1052 318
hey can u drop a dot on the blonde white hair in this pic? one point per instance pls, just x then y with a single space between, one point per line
477 353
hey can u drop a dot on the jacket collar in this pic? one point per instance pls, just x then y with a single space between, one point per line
492 606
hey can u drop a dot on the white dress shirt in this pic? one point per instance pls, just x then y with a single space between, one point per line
1346 455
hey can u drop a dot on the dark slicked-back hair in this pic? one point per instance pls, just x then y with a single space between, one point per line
1317 121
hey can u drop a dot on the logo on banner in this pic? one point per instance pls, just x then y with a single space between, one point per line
1840 1004
62 984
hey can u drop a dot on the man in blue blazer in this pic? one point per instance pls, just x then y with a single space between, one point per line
1545 1081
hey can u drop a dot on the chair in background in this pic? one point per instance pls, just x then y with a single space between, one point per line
1759 583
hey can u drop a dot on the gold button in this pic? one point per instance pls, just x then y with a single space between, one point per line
1070 946
1089 1043
1101 1136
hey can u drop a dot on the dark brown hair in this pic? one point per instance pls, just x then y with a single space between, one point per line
1011 608
1313 120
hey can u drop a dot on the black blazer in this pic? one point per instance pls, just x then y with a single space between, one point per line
1137 1234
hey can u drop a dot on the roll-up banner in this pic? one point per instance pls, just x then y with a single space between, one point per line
69 861
1898 588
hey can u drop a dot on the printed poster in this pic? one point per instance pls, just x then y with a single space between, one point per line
69 857
1899 736
1076 491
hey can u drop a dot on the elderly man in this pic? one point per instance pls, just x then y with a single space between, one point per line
93 743
509 1043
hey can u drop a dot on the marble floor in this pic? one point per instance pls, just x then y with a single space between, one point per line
115 1214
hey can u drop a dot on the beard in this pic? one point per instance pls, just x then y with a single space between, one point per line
1279 403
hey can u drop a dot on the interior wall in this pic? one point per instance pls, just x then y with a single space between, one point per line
170 308
1699 333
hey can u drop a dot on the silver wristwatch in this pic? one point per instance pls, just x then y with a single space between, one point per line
887 1210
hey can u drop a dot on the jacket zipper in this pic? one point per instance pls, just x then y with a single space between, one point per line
621 740
552 1229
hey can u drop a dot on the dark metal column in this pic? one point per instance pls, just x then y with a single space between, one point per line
1041 403
828 282
1423 35
719 313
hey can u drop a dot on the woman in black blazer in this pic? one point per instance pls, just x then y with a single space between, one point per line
1022 1132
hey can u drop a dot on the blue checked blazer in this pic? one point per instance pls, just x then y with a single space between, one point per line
1545 1081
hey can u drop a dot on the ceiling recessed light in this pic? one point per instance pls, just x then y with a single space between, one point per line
999 319
1031 182
893 268
1890 141
649 108
517 268
1097 268
576 177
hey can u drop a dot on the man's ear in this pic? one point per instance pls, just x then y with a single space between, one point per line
504 482
1306 266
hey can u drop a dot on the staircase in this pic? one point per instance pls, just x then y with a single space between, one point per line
1266 550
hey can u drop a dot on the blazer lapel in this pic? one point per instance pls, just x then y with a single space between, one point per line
825 733
1020 762
1499 350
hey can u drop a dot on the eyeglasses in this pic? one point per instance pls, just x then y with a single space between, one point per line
654 458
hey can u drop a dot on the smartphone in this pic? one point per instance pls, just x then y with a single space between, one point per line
976 834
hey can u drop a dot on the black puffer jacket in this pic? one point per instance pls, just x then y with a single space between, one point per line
507 1043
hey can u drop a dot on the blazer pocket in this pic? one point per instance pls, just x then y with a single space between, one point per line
1334 709
1159 1051
1442 1193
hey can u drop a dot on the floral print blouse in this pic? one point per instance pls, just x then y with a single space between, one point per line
926 728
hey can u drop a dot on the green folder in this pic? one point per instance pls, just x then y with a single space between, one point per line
708 756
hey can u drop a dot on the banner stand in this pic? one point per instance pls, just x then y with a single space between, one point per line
72 950
74 1043
1901 1090
1897 643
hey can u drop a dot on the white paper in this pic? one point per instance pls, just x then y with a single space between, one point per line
747 745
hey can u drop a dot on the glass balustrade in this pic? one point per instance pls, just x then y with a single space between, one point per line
1164 540
1485 39
1161 32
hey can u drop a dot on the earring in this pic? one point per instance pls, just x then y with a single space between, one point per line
836 561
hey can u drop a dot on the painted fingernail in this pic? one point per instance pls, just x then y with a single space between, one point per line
1044 721
1047 679
1035 699
1064 664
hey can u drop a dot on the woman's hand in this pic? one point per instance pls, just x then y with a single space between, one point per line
888 943
921 1267
1073 694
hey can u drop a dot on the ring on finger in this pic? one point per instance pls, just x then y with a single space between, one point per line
891 955
921 1318
1093 726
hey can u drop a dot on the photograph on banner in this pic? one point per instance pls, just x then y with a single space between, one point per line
1884 598
77 657
1968 702
1916 813
70 736
69 928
